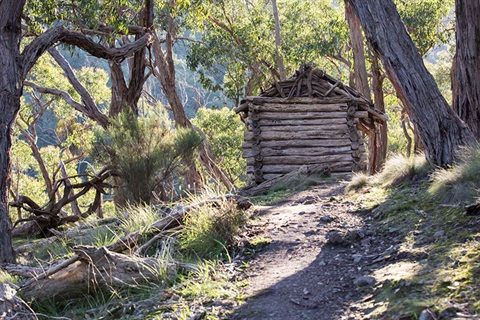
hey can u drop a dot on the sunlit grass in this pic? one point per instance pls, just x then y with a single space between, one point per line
398 169
138 219
210 229
461 182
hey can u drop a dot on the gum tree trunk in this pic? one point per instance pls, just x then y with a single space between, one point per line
439 127
10 92
466 100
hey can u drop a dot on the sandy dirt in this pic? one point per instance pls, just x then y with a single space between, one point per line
318 263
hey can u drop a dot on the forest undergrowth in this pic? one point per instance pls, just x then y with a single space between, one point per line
430 269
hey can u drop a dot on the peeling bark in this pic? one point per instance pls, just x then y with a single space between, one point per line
441 130
466 98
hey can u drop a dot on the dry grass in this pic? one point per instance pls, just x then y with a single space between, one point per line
461 182
399 169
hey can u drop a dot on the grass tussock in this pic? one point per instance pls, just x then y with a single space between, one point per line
459 183
6 277
399 169
358 182
138 218
210 231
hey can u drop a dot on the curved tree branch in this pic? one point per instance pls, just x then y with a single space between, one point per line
92 113
89 105
60 34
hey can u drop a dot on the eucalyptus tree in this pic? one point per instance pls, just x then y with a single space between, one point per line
440 129
238 52
18 55
466 95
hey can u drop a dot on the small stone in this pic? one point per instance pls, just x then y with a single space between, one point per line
364 281
322 264
357 258
310 233
309 200
326 219
449 313
305 291
426 315
366 242
335 237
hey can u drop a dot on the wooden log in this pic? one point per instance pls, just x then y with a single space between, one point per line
306 100
361 114
300 122
341 166
300 143
95 270
12 306
21 270
298 107
281 151
282 135
304 159
241 107
357 153
351 110
303 115
306 127
354 136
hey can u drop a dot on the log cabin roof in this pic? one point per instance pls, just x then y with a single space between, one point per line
314 83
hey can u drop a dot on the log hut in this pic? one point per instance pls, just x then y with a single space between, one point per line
308 119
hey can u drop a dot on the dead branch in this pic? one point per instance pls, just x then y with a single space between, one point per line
46 218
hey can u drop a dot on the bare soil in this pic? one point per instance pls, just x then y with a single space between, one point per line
319 262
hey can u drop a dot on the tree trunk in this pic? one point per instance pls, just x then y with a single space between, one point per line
164 71
356 39
10 93
278 42
378 95
467 64
375 159
441 130
9 106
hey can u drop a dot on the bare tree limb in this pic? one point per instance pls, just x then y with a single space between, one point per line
60 34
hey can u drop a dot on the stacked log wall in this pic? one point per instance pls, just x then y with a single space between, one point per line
284 134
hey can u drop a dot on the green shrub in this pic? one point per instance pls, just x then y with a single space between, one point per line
224 131
148 153
461 182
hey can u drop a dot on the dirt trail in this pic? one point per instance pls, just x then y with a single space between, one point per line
317 264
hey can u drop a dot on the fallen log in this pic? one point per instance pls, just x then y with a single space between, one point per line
291 178
93 270
172 220
13 307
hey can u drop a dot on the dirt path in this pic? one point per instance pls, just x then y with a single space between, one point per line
317 264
